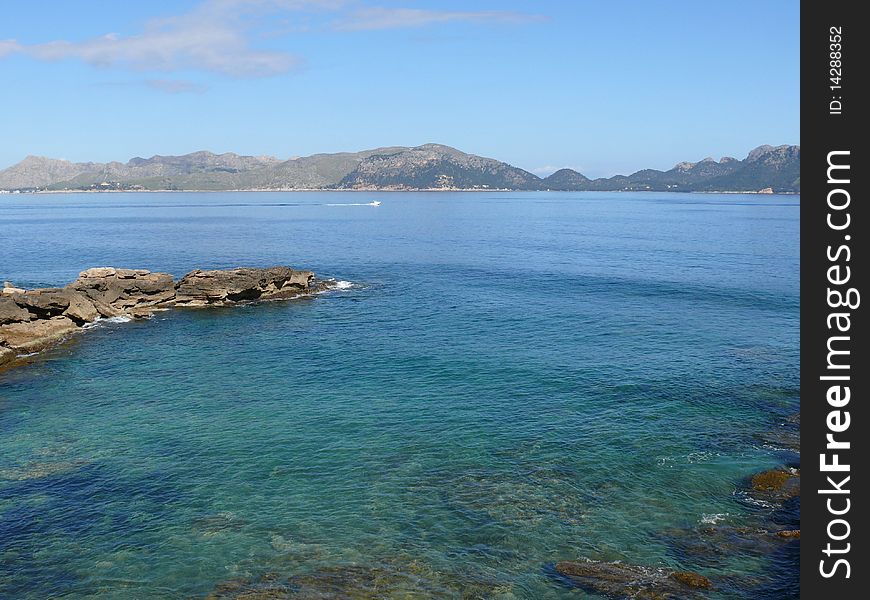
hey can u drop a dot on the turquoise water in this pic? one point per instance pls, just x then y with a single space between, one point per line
512 380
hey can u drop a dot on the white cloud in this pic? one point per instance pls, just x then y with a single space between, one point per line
373 18
9 47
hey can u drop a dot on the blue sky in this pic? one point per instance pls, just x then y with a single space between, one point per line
602 87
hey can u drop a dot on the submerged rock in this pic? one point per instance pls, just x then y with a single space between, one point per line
792 534
710 545
215 524
330 582
786 439
242 589
530 495
622 581
692 579
40 469
364 582
786 436
776 485
31 320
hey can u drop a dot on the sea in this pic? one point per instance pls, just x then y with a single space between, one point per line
501 381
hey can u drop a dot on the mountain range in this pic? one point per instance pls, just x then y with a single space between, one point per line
426 167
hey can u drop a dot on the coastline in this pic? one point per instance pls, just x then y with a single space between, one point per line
383 190
35 320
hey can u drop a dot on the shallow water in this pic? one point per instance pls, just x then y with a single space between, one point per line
512 380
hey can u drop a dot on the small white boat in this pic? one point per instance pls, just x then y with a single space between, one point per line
375 203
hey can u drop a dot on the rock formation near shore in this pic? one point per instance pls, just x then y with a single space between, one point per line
200 288
31 320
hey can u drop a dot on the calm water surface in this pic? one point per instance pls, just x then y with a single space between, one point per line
512 380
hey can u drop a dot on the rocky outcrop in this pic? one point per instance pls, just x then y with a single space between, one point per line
31 320
30 336
115 292
200 288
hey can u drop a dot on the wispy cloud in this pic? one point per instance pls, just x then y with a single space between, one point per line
176 86
204 48
169 86
373 18
214 36
8 47
218 36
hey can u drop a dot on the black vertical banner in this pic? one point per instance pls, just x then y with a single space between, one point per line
834 370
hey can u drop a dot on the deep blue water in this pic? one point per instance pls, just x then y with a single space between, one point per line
514 379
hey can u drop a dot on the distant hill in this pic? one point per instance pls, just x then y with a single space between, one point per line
566 179
38 171
777 168
426 167
435 166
